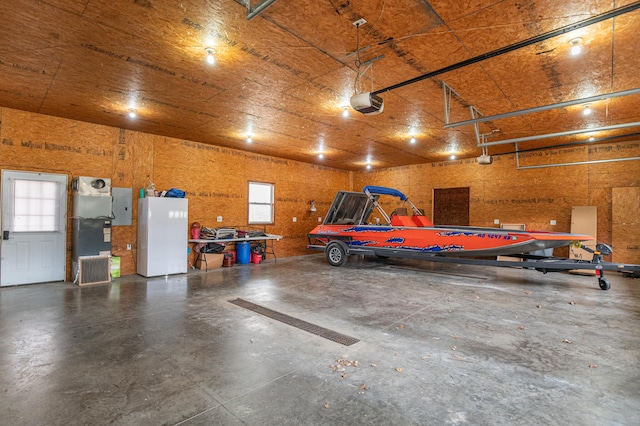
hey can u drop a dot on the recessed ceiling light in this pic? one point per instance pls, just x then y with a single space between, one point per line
412 140
320 156
368 162
453 157
249 139
576 47
587 110
211 59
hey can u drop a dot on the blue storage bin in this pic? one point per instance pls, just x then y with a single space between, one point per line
243 252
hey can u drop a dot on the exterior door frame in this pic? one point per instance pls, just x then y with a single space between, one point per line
32 257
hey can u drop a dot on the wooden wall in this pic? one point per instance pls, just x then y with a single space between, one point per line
215 179
532 196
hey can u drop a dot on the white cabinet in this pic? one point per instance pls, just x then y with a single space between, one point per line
162 236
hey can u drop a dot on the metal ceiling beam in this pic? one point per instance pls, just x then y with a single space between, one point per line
567 133
544 108
595 141
252 12
575 163
533 40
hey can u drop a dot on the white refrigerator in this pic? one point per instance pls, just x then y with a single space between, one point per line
163 231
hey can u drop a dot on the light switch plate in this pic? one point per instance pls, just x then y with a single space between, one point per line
219 218
295 219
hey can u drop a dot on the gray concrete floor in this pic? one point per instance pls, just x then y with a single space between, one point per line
439 344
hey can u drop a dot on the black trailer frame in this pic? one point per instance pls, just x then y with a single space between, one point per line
338 249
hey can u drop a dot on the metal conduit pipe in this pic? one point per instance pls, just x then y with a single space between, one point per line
574 143
563 30
576 163
544 108
567 133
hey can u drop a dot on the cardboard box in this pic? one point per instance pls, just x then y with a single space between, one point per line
213 260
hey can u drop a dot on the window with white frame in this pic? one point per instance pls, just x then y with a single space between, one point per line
261 203
36 207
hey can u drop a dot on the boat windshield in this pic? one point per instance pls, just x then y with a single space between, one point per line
349 208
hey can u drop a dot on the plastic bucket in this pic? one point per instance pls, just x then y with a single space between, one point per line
228 260
256 257
243 252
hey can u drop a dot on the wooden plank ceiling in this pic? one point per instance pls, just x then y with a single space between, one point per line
284 76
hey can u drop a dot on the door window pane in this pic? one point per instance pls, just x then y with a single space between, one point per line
36 206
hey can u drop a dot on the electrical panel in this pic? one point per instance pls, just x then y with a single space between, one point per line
122 205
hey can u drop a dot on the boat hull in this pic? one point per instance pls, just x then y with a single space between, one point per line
442 240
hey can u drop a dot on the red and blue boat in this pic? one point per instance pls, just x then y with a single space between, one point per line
356 223
351 219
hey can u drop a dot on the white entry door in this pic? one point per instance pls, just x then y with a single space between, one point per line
34 236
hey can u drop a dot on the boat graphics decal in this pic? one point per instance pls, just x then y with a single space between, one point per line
473 234
397 240
369 229
328 232
434 248
362 243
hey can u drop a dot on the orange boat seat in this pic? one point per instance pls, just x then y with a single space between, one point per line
422 221
398 220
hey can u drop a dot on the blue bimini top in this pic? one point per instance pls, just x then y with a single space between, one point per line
381 190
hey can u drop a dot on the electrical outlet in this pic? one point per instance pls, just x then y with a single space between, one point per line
219 218
360 22
496 221
295 219
319 219
552 222
128 246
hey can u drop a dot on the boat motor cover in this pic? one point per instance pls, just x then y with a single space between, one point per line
381 190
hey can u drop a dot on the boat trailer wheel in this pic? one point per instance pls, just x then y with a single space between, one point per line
604 283
336 254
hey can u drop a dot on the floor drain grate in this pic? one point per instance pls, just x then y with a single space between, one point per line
295 322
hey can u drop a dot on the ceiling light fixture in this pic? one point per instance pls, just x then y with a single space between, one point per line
132 113
587 110
210 58
320 150
345 111
485 158
576 48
